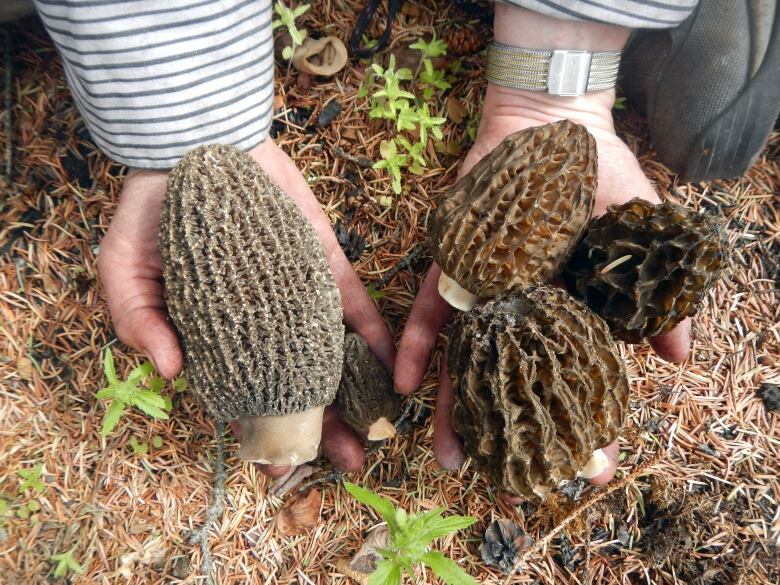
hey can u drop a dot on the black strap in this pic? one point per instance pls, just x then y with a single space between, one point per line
364 20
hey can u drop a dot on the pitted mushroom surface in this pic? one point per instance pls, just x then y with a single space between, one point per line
366 399
251 295
539 389
514 219
645 267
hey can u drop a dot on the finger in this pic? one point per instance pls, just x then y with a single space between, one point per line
360 312
339 444
446 443
148 330
674 346
611 451
429 314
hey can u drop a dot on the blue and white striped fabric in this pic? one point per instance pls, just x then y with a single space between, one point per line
155 78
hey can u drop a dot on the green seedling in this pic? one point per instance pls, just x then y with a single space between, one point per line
410 537
430 50
388 101
433 80
374 293
287 17
180 385
157 441
428 123
31 479
415 152
392 161
132 393
139 447
66 563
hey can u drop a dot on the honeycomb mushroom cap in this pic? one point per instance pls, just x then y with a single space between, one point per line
249 291
539 387
366 399
515 217
645 267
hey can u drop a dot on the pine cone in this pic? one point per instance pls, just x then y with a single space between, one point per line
463 41
645 267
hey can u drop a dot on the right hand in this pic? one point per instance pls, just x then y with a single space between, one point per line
130 266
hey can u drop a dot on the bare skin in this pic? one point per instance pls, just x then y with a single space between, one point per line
505 111
130 267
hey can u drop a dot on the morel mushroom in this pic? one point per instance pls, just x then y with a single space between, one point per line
645 267
257 310
539 389
515 217
366 399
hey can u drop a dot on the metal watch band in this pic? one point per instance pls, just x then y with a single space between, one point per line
559 72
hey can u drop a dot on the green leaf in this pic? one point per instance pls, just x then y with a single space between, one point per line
139 373
438 527
287 53
386 573
447 569
111 418
66 563
180 384
31 478
157 441
379 503
108 366
375 294
139 447
301 10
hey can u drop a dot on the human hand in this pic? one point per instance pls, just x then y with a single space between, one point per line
130 267
620 178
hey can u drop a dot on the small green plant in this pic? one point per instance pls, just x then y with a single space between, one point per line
157 441
410 537
66 563
433 80
430 50
427 123
31 479
391 99
180 385
131 392
287 17
139 447
415 152
393 162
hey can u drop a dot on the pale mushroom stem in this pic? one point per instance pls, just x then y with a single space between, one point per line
456 295
290 439
597 463
381 429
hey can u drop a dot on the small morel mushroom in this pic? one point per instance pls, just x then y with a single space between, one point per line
514 219
257 310
539 389
645 267
366 399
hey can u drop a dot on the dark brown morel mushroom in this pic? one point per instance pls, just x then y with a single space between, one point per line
515 217
645 267
366 399
257 310
539 389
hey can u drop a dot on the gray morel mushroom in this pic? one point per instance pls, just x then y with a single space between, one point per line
645 267
251 295
366 399
540 389
514 219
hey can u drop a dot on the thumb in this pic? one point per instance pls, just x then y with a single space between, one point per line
148 329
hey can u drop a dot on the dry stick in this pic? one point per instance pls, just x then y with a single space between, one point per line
8 122
543 542
201 536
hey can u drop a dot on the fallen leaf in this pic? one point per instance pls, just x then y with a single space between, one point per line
456 110
366 557
24 367
300 515
504 540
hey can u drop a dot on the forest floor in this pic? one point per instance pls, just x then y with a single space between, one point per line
705 510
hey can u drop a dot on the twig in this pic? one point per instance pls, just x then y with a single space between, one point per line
201 536
334 475
8 121
544 541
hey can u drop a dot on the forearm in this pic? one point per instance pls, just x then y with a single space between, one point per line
152 81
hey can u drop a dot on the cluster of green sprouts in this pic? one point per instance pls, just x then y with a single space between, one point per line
142 389
409 540
390 99
286 18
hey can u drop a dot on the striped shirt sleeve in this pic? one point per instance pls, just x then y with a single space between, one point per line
153 79
629 13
